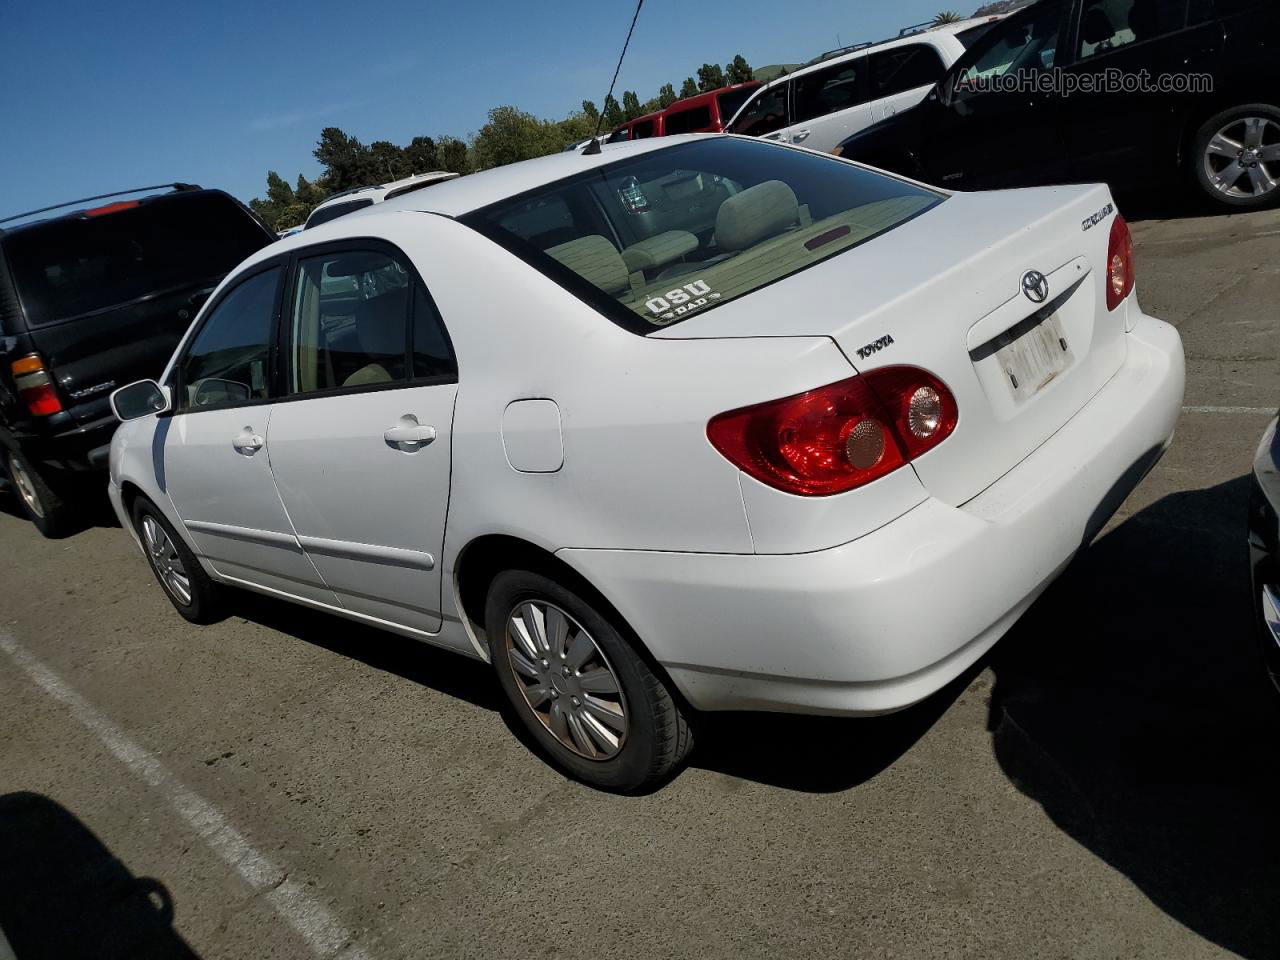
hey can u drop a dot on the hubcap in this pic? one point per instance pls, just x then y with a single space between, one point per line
566 680
1242 159
26 489
166 562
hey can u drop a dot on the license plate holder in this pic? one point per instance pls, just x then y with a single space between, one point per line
1034 357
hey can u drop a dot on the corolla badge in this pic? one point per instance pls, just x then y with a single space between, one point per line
1036 286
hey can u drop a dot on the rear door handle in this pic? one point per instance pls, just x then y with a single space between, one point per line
409 433
248 442
800 136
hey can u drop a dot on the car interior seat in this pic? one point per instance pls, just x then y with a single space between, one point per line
380 329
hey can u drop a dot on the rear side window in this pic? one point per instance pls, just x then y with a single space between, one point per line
905 68
730 102
337 210
765 114
834 88
642 130
687 121
656 238
68 268
1107 25
226 364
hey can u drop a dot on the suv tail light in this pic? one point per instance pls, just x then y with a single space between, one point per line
1120 278
35 386
840 436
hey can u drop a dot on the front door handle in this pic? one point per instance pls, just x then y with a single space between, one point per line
800 136
408 433
248 442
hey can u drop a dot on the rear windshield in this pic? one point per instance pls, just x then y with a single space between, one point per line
67 268
334 212
653 239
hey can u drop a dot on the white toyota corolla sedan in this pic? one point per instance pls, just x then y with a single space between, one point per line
698 423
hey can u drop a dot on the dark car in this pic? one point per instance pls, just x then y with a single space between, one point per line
90 301
1264 545
1129 92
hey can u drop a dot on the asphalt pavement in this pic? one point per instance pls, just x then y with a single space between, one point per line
288 785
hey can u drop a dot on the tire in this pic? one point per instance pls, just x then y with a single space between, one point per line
193 594
1213 166
653 735
53 515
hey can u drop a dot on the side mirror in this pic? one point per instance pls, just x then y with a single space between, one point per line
141 399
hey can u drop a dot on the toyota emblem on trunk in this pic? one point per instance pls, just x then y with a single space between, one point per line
1036 286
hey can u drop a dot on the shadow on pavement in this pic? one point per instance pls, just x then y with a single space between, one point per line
63 896
1131 704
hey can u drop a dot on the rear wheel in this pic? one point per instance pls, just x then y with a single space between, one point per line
190 590
37 499
594 704
1237 156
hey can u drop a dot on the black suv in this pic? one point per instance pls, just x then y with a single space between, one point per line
91 301
1128 92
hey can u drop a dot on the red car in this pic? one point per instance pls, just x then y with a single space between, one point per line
706 113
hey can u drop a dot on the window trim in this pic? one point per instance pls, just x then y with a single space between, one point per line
280 262
355 245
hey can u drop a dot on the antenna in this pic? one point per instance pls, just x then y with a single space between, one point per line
594 146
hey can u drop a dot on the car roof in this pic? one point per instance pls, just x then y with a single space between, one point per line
82 213
700 98
377 190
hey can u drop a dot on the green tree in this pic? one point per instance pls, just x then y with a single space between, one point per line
385 162
510 135
689 89
343 157
739 71
666 96
452 155
613 115
420 155
947 16
590 109
631 105
710 77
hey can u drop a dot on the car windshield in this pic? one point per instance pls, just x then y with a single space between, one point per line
68 268
655 238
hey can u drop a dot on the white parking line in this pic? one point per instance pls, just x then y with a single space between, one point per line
313 921
1269 411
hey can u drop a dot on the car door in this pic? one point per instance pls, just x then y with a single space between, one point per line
902 76
765 115
360 437
1000 124
1119 134
216 469
830 104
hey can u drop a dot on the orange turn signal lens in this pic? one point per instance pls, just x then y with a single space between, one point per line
29 364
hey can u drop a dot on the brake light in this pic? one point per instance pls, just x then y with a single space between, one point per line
838 437
1120 277
112 208
35 386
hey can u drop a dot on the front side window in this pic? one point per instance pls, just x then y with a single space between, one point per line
1107 25
826 91
729 103
905 68
1028 42
678 231
227 364
687 121
765 114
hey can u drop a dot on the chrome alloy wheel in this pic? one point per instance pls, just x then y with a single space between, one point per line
164 558
26 488
1242 160
566 680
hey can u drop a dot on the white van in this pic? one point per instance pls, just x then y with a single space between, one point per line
822 104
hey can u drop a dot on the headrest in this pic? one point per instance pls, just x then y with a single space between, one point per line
596 260
659 251
1096 27
756 214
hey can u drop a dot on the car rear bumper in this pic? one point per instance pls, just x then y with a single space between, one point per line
881 623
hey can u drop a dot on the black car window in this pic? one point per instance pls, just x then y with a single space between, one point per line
833 88
326 214
685 121
731 102
905 68
349 322
1107 25
70 267
1025 42
432 353
765 114
226 364
619 135
641 130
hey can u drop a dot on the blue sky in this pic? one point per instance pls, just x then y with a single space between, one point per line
104 96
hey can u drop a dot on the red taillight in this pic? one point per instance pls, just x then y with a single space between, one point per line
35 386
1120 277
840 436
112 208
